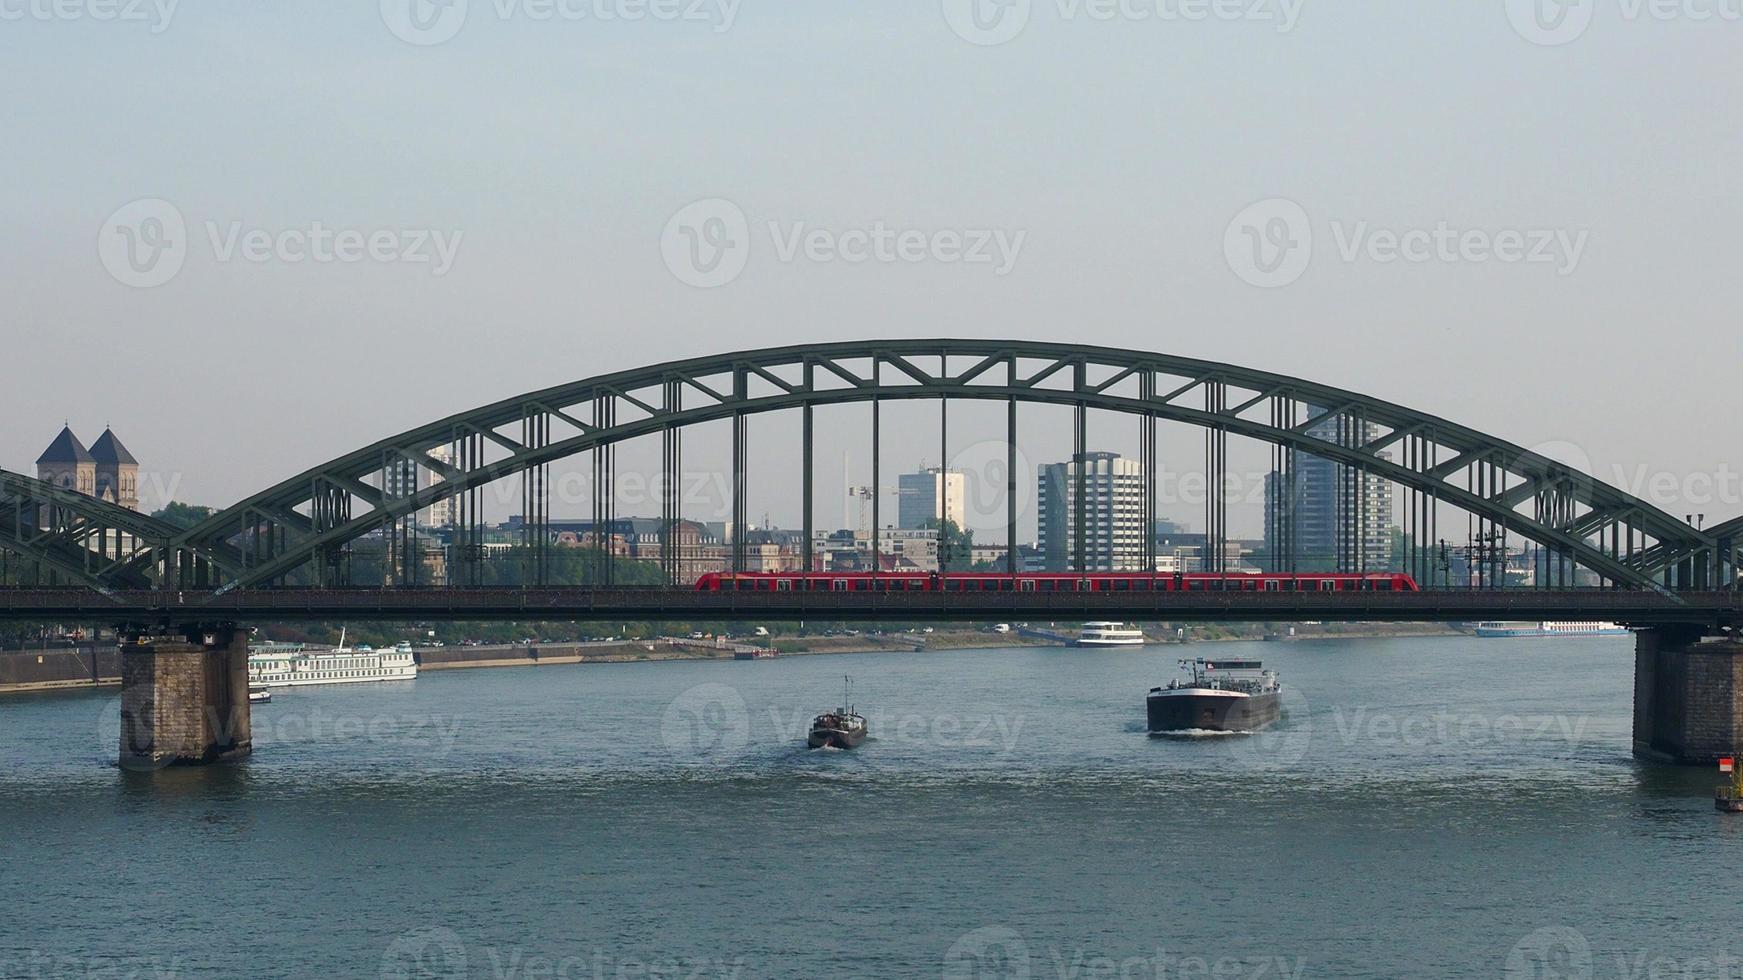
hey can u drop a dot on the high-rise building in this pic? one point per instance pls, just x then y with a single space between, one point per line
1329 516
1113 513
931 495
442 512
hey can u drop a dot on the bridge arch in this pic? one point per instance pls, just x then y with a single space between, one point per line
81 539
303 521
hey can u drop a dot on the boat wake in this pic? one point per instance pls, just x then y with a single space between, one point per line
1193 734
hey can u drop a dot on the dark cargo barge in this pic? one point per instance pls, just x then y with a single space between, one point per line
1221 696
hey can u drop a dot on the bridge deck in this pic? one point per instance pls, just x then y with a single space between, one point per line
1638 608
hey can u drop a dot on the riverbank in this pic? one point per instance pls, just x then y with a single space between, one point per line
84 667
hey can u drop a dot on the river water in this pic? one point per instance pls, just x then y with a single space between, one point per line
1430 807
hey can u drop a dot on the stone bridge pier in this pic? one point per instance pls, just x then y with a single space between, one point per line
1688 696
184 698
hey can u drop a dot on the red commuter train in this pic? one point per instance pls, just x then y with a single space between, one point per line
1052 582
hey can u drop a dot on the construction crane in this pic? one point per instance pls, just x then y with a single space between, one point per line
866 495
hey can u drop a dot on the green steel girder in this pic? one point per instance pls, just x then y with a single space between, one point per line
1000 371
87 540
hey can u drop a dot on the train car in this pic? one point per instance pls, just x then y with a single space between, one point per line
1052 582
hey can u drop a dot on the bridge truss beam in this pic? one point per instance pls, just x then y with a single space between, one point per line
302 526
77 538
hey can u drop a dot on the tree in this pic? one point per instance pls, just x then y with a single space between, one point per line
183 516
955 546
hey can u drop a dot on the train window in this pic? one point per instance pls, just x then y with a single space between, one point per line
1384 585
784 585
1327 585
1272 585
841 585
1026 585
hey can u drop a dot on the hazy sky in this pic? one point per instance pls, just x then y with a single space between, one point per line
1113 149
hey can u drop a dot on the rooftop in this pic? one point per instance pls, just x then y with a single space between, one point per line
108 449
66 448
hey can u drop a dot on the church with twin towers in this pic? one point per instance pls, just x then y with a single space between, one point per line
106 471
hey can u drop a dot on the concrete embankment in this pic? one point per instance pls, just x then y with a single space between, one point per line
60 668
100 666
460 658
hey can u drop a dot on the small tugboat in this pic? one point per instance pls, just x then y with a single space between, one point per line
1221 696
841 729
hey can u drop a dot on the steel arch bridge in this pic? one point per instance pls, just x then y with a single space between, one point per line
81 539
299 529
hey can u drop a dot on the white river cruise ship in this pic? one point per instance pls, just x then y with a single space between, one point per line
1109 635
295 667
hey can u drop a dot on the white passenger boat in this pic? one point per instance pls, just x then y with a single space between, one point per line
1514 630
1109 635
296 667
